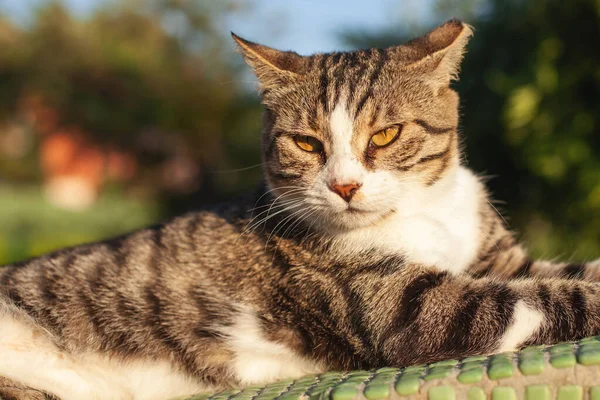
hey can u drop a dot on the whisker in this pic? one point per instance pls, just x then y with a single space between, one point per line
499 214
225 171
284 221
269 204
293 189
308 234
269 216
275 206
284 194
299 220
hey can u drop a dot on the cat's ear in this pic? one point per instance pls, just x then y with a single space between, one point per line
272 67
437 55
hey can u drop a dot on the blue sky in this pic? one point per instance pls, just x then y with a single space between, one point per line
20 8
305 26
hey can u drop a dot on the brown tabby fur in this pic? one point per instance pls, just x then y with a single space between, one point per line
172 291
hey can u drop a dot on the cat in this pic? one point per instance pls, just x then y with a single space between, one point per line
369 244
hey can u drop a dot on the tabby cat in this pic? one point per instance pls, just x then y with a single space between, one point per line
369 245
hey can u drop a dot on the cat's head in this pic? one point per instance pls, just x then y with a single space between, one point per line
351 138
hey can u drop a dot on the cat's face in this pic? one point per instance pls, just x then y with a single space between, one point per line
352 138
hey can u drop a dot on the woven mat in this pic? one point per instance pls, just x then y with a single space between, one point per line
566 371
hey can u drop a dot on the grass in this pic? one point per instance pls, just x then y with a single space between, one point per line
31 226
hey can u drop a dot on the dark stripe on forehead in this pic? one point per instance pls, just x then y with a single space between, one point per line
339 67
372 79
348 74
382 55
434 130
352 59
323 83
353 80
336 59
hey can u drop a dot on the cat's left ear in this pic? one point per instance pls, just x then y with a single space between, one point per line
272 67
436 56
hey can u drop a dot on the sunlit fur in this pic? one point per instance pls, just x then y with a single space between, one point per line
406 168
342 100
353 257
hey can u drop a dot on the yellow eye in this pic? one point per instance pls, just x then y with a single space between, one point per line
308 143
385 136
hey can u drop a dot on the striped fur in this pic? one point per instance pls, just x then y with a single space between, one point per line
414 267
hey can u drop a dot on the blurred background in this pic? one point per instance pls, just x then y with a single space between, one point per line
116 114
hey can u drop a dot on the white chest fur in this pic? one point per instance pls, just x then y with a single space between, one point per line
438 227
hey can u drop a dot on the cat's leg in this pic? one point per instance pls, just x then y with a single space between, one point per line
437 315
11 390
29 355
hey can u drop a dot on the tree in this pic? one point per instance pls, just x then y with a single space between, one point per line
138 102
150 78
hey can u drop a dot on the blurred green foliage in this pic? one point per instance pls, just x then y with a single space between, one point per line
530 94
143 76
31 226
152 79
155 80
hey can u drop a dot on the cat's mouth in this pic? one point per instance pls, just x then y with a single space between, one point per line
350 210
354 210
356 218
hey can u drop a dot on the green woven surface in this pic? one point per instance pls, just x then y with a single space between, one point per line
567 371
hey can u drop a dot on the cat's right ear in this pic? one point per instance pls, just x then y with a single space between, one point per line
435 57
272 67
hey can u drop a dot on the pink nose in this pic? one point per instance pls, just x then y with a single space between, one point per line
345 191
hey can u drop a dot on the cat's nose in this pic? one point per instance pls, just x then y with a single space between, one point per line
346 190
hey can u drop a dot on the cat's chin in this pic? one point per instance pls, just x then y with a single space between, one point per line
352 219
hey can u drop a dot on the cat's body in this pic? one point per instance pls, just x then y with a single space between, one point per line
357 254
